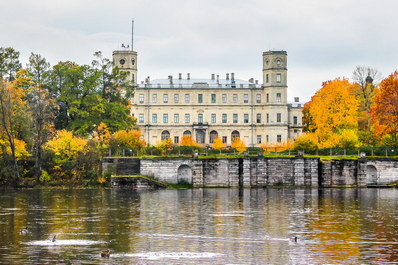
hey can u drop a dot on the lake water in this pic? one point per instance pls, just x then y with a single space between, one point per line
199 226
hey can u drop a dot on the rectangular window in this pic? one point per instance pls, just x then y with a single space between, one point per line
213 98
224 98
224 118
278 78
295 120
278 97
165 98
295 131
187 118
187 98
141 118
258 117
176 98
267 117
258 98
154 98
176 118
200 118
235 98
141 98
235 118
154 118
267 138
200 98
165 118
224 139
176 139
259 139
279 138
267 78
245 98
246 118
278 117
213 118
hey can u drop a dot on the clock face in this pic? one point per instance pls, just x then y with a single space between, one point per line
132 61
267 61
278 61
122 61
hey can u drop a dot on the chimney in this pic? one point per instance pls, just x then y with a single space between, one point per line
179 76
256 82
218 79
296 99
212 76
227 77
251 80
232 76
188 76
171 79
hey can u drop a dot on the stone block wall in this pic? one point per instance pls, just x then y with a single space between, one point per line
339 173
164 169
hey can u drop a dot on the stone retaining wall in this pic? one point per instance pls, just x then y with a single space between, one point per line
261 171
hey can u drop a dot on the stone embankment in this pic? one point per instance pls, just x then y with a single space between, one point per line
259 171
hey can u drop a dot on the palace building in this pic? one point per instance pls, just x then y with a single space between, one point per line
224 107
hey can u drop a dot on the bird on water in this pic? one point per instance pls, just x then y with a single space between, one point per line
293 239
105 253
53 240
23 231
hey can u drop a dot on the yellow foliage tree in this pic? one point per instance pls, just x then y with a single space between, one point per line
333 109
165 146
187 140
239 145
305 141
102 134
218 144
20 148
65 145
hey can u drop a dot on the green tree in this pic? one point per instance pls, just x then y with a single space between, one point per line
9 63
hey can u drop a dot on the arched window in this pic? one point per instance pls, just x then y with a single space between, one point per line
187 133
213 136
165 135
234 135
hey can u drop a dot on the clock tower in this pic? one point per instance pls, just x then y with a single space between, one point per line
126 60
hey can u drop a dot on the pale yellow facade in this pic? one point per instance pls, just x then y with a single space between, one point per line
215 107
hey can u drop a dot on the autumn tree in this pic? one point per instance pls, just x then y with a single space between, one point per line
165 146
305 141
124 139
238 144
333 109
218 144
65 145
187 140
12 117
385 109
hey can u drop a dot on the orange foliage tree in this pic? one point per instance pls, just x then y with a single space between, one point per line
128 139
187 140
385 109
165 146
332 111
239 145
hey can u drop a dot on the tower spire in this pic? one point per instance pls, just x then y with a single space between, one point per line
132 34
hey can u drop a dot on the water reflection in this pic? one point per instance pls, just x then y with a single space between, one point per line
200 226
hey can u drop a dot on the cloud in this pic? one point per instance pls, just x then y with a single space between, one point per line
324 39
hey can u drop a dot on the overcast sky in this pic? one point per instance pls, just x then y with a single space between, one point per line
324 39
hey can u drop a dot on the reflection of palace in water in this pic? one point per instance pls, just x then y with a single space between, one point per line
224 107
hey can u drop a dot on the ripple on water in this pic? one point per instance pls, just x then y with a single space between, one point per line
64 242
169 255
